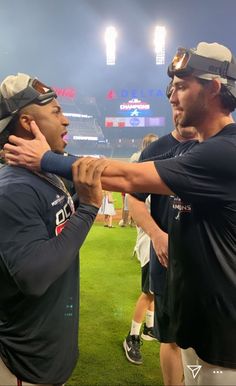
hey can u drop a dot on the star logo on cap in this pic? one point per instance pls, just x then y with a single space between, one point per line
194 369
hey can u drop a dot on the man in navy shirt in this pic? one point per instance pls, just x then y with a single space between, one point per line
155 224
202 233
41 234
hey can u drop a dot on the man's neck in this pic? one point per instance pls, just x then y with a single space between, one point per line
180 138
213 126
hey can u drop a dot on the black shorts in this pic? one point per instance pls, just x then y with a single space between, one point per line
163 328
145 278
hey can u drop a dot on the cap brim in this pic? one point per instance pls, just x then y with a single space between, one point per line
4 122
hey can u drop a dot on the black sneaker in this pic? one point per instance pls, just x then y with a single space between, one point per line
148 333
132 349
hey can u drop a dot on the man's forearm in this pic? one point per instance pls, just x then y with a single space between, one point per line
58 164
54 256
133 177
118 176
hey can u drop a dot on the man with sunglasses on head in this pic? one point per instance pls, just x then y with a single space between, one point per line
201 274
202 228
41 234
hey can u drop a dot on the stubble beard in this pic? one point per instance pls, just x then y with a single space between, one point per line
195 113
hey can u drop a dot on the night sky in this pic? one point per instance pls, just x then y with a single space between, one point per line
62 42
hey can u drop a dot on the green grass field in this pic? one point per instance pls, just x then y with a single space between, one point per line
110 286
117 200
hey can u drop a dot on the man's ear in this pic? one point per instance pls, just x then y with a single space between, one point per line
25 120
215 86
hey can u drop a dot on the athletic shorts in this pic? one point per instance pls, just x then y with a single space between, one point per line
162 326
145 279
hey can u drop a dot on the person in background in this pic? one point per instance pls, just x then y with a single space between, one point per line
149 138
125 211
126 219
201 277
107 208
144 308
155 224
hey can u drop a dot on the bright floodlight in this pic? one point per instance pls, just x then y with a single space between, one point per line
159 43
110 39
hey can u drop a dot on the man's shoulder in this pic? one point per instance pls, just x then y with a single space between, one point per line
185 146
160 146
13 174
163 141
15 179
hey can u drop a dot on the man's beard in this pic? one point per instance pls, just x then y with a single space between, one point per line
195 113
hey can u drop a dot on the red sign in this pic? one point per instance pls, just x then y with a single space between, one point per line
65 92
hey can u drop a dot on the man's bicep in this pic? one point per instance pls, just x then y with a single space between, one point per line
149 180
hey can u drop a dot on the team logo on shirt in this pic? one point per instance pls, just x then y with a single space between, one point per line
60 227
58 200
62 216
180 206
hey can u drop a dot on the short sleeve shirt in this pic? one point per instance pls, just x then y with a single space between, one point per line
202 247
159 210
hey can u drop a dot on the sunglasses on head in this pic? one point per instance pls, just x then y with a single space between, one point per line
185 62
36 92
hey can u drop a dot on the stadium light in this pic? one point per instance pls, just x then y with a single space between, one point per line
159 43
110 40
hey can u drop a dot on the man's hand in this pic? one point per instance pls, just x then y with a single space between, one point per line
26 153
143 218
87 173
160 245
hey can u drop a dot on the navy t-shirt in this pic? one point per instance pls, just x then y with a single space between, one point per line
159 210
39 287
202 247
